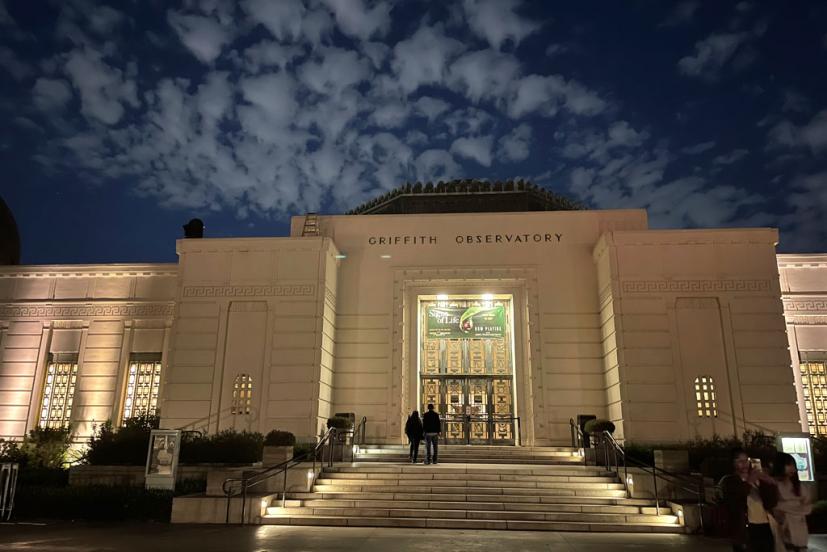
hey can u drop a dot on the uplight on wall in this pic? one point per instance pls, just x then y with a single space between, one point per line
384 256
341 256
441 297
487 296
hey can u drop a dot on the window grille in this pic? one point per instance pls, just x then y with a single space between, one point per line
142 386
58 391
707 404
242 394
814 389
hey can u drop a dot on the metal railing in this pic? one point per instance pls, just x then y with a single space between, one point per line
8 485
613 463
577 437
359 433
238 486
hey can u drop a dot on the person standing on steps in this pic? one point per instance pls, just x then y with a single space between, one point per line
433 428
413 429
749 495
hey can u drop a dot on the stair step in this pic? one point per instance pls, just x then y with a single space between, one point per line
585 517
459 482
430 497
575 491
424 476
470 524
470 505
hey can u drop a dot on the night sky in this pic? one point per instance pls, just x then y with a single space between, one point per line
122 120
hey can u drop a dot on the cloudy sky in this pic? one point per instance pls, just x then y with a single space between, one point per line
122 120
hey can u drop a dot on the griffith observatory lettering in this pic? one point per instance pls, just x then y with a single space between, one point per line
468 239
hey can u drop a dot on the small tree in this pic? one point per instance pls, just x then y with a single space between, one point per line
46 447
277 438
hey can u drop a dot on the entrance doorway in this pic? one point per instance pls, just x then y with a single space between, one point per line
466 367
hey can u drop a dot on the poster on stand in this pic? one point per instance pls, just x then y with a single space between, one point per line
162 458
798 446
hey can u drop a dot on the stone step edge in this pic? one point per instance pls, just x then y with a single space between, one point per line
393 513
448 523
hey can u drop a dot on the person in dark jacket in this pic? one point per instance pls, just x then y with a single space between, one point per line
749 495
413 429
432 428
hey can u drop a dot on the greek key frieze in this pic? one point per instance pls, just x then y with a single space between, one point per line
701 286
85 311
288 290
805 305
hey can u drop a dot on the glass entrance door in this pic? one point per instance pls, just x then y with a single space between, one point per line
475 410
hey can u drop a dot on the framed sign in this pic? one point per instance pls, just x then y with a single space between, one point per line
465 322
162 458
798 446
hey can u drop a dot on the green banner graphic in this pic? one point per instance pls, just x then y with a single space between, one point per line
466 323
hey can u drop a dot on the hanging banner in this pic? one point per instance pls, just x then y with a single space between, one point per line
465 322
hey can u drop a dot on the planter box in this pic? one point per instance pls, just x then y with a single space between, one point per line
276 455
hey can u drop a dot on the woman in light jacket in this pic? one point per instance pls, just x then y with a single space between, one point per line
793 505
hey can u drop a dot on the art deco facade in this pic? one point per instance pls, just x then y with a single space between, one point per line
539 316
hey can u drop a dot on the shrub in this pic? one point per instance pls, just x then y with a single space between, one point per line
300 449
599 426
278 438
225 447
124 446
41 448
338 422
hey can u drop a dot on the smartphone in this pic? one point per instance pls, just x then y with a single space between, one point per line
755 464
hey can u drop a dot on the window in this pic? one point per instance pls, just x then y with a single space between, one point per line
142 385
814 389
59 390
705 399
242 394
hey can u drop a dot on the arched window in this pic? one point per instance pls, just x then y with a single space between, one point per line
242 394
705 399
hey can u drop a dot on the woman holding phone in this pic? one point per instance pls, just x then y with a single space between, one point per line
749 495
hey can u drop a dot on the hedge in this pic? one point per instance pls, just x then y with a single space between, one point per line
278 438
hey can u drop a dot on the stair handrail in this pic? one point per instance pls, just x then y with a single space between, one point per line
657 473
577 437
262 476
359 432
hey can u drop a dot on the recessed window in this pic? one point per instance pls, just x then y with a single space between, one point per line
814 389
242 394
707 404
59 391
143 383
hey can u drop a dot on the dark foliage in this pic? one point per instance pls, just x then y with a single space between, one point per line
278 438
92 503
303 448
599 426
225 447
339 423
41 448
124 446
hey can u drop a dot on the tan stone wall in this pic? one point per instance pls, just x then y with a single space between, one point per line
263 307
804 291
102 313
559 359
682 304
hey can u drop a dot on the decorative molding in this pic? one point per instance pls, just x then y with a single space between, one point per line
287 290
814 304
86 311
806 320
676 286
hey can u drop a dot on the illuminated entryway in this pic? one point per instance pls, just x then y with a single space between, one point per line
466 366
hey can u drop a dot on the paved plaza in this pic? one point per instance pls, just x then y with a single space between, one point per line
87 537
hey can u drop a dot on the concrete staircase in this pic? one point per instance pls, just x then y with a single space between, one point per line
472 488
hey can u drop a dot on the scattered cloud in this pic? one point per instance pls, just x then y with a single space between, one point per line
813 134
51 94
203 36
516 145
477 149
104 90
423 58
104 20
698 148
732 157
681 14
556 49
711 54
358 20
497 21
